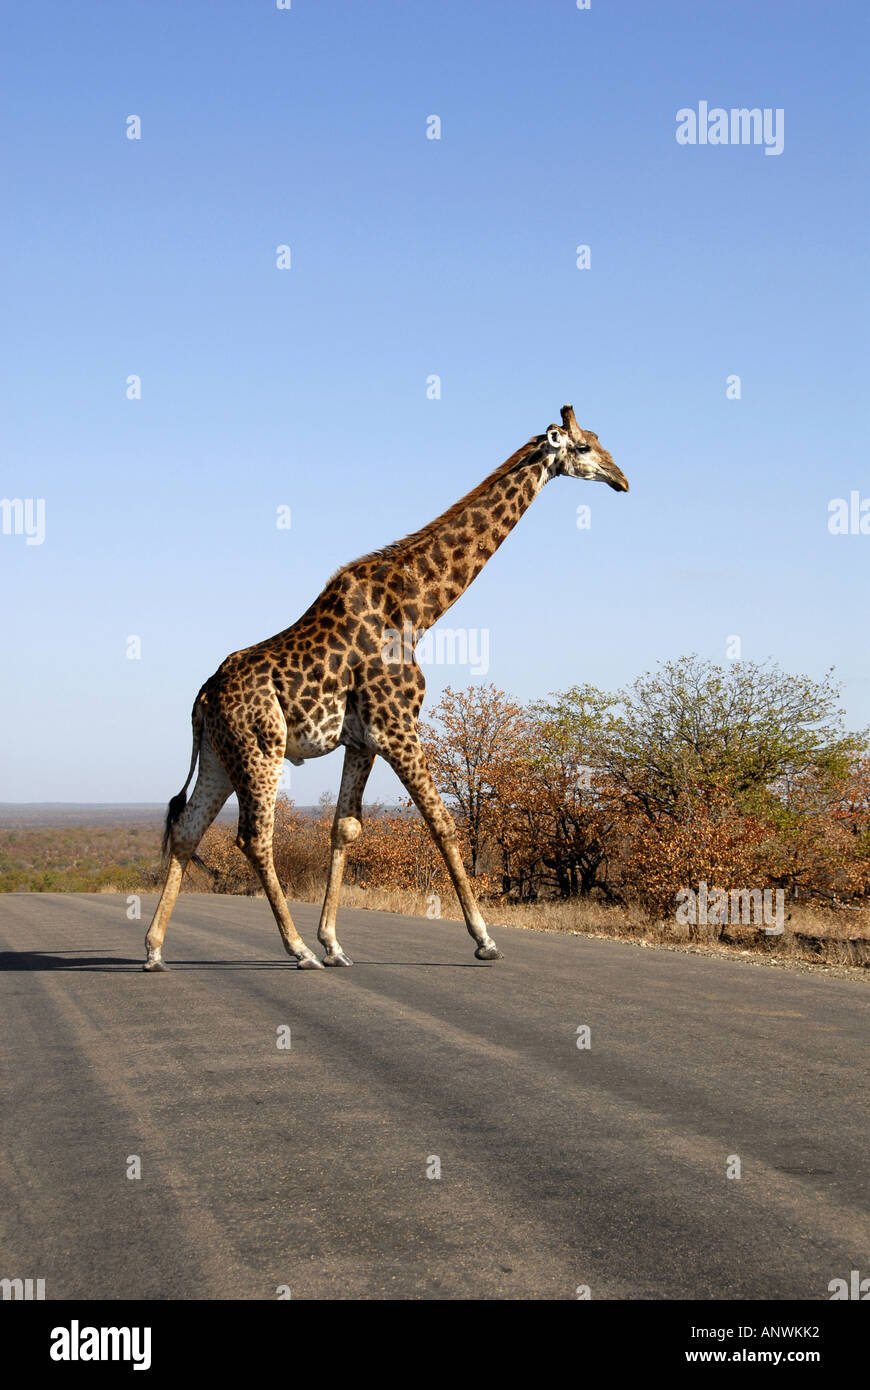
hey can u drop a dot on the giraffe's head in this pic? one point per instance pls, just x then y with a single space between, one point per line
576 453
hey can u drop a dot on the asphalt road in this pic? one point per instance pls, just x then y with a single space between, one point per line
307 1168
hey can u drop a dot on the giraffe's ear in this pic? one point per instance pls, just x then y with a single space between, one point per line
554 437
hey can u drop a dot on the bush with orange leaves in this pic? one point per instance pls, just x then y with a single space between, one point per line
395 851
296 847
713 843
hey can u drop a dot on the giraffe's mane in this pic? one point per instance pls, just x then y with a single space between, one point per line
396 549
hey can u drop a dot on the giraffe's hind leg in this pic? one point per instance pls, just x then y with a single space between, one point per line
257 790
213 786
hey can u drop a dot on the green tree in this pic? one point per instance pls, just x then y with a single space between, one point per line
748 733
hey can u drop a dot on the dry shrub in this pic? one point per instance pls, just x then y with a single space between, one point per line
714 845
394 852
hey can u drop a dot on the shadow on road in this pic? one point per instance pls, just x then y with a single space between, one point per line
116 965
73 960
63 960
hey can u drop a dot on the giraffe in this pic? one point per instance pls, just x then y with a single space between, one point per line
338 677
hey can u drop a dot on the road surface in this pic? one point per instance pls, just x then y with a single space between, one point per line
306 1169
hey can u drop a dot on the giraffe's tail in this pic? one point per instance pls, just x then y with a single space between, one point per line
178 803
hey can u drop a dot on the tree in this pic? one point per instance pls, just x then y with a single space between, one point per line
478 733
565 805
694 731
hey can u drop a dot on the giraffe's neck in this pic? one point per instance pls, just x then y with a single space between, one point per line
440 561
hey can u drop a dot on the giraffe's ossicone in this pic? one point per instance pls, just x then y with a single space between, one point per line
339 676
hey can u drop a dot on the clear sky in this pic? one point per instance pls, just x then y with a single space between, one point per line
412 257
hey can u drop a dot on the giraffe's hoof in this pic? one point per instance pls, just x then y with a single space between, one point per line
308 963
489 952
154 964
338 958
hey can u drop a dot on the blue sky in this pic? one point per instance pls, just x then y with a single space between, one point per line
412 257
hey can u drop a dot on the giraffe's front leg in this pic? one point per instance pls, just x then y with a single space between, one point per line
409 763
344 832
345 829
